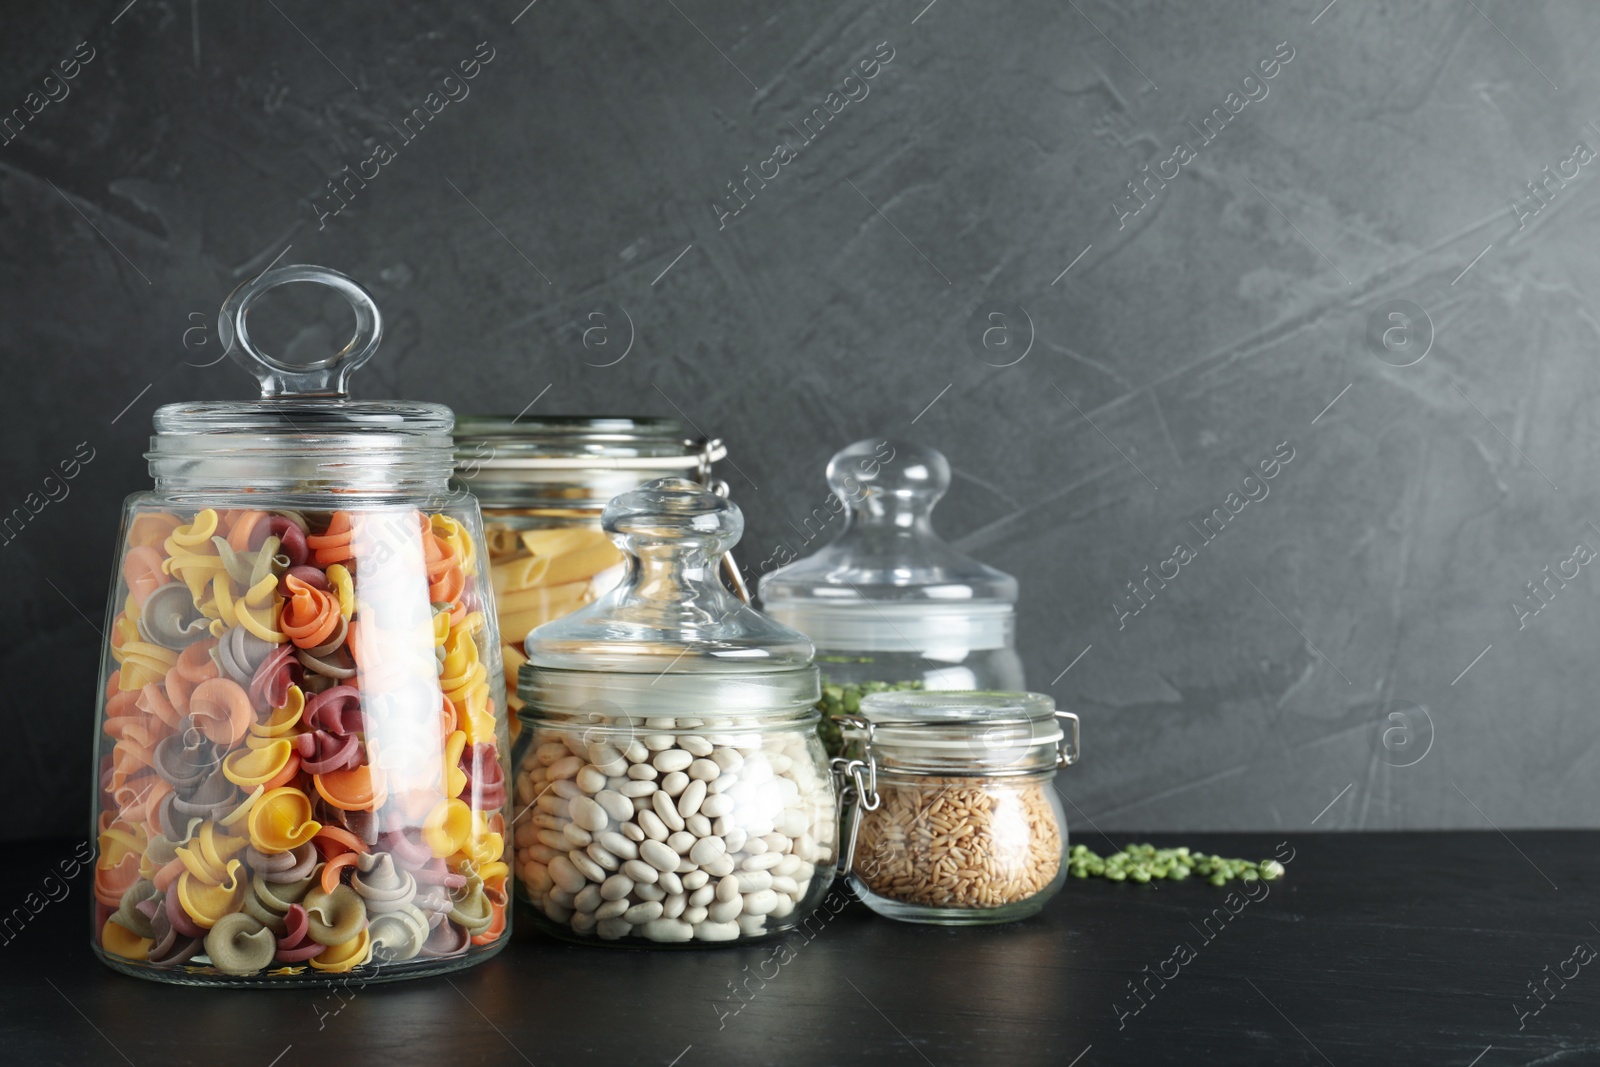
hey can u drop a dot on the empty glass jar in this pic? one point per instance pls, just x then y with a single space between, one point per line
670 786
888 603
301 749
951 811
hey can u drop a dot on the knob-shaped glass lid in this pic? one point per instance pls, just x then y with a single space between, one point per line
888 581
670 612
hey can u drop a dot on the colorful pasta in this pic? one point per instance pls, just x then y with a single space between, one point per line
302 766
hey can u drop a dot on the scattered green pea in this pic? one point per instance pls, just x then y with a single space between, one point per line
1144 862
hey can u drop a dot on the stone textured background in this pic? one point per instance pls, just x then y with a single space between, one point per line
1258 689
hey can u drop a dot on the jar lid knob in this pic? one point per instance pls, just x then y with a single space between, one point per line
324 377
888 482
673 517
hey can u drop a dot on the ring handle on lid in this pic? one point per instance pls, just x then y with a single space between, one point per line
322 377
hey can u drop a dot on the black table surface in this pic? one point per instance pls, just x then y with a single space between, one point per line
1413 948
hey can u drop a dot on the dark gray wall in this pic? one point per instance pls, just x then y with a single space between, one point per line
1183 345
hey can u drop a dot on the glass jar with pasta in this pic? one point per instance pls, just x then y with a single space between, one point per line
302 745
542 483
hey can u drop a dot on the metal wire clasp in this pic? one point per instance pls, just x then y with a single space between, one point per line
1067 754
711 450
858 788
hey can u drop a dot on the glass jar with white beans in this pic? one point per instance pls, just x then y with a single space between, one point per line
670 785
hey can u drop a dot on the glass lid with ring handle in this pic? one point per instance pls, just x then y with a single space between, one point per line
301 399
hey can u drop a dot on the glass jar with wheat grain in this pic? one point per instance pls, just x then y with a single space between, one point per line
952 811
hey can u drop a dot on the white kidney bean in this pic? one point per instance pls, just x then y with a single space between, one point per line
760 902
706 849
609 929
653 827
641 872
725 910
565 875
751 881
658 855
667 810
616 887
673 784
690 800
645 912
565 767
588 868
607 860
607 760
615 805
586 813
673 759
668 930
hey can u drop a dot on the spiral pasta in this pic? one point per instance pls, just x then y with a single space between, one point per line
301 768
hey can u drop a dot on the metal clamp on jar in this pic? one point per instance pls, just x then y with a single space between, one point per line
952 815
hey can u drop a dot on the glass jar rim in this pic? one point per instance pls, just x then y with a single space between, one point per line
553 693
963 733
558 442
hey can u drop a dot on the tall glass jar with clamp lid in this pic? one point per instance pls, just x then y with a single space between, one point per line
674 789
301 748
951 815
542 482
887 602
